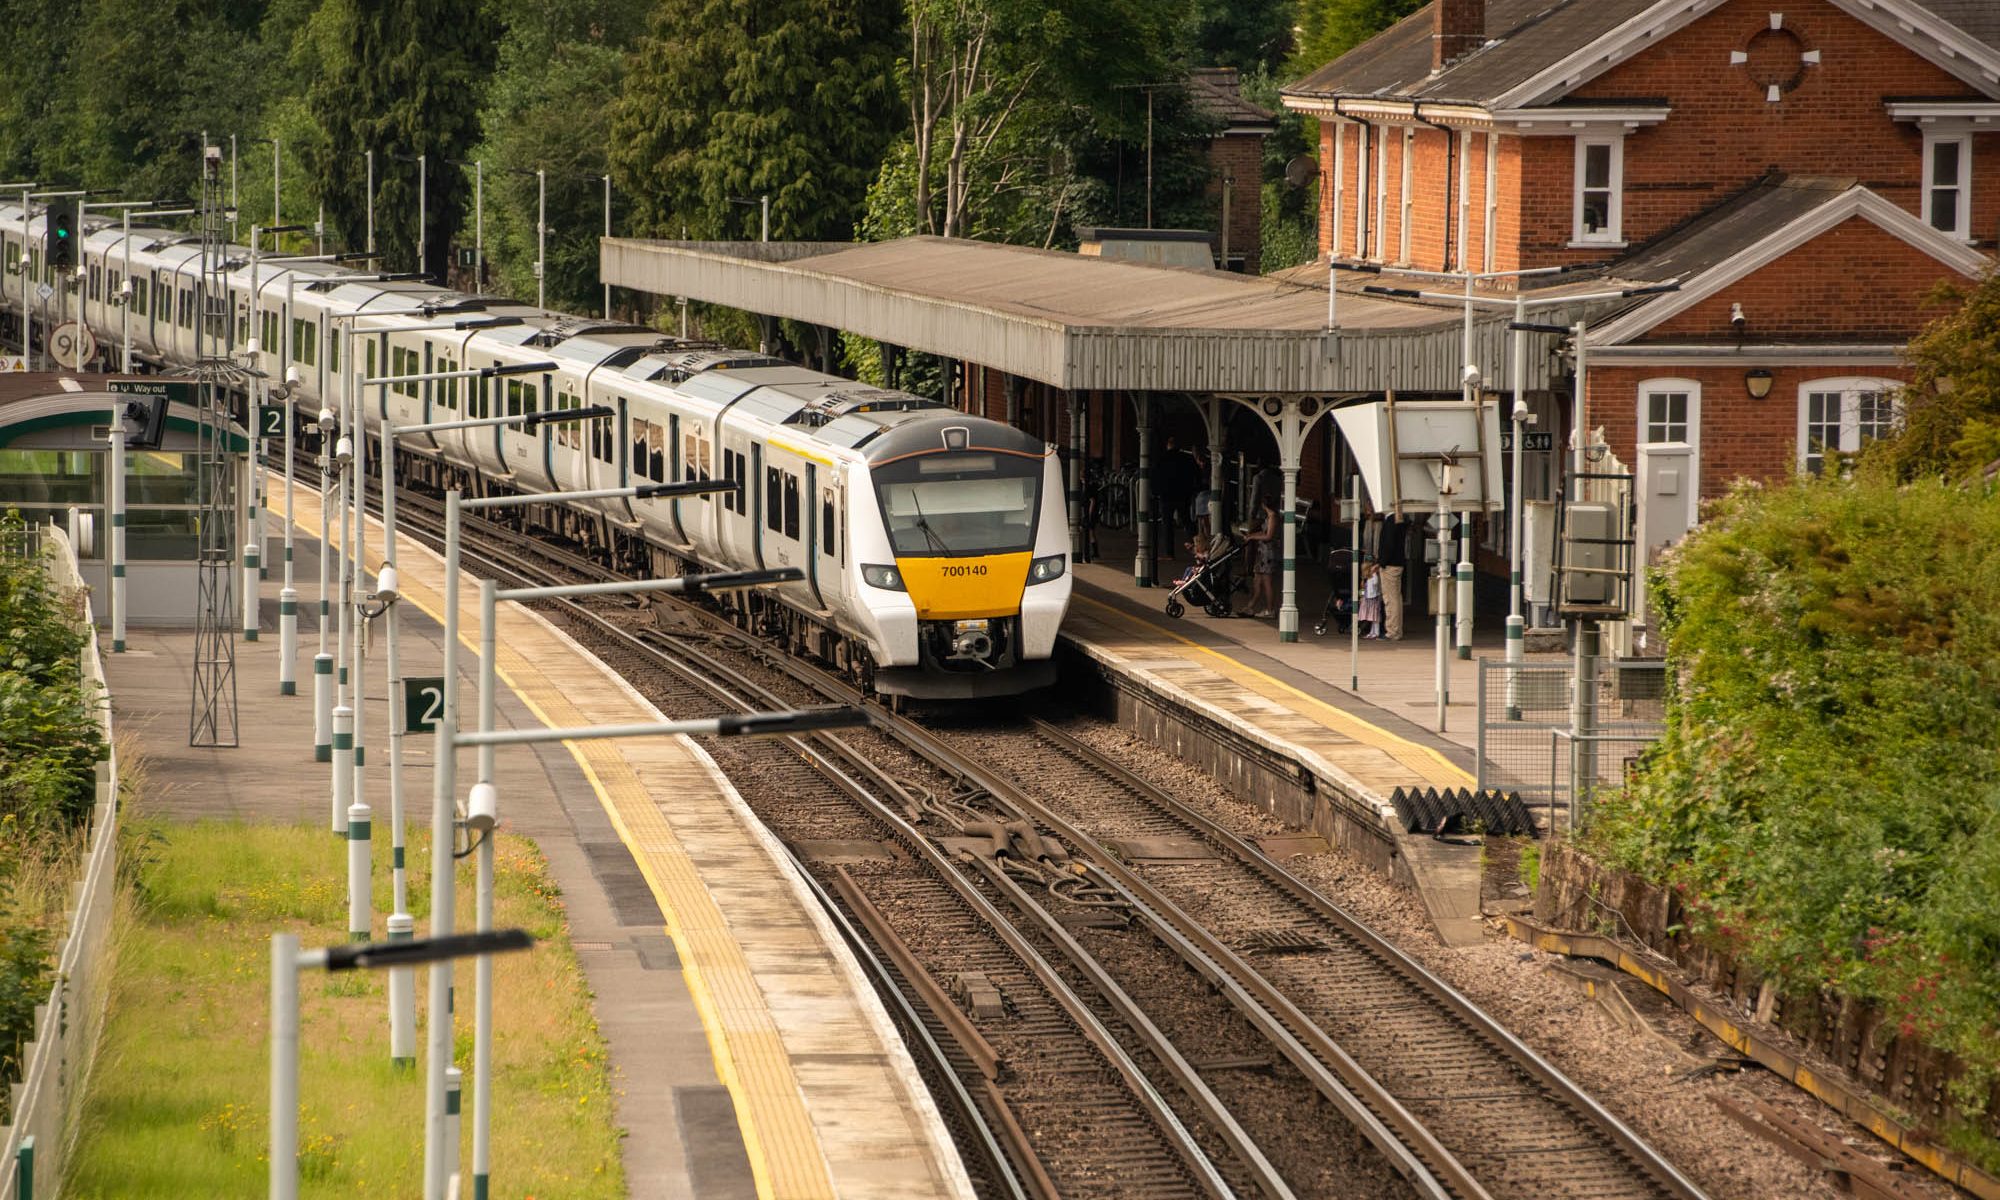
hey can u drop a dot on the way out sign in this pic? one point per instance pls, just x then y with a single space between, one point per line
423 703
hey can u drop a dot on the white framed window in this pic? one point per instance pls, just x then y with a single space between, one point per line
1670 414
1381 191
1600 188
1361 191
1840 416
1408 205
1948 184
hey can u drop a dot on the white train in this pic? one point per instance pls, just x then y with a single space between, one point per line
934 544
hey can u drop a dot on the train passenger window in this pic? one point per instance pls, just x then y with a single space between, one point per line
827 545
142 294
96 283
774 500
791 506
305 348
656 451
187 309
513 398
333 350
639 448
13 256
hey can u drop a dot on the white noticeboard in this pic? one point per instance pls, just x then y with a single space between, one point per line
1398 461
13 363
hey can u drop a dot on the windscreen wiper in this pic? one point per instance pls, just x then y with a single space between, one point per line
930 535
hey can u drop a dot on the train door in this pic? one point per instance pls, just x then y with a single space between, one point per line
675 466
759 501
809 530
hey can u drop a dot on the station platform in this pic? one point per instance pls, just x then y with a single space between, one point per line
750 1056
1291 699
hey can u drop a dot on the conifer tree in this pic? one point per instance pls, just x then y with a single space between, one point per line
726 100
402 77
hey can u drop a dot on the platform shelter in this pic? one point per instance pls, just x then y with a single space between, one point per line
1105 358
57 467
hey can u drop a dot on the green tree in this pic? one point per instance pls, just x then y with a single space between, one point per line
546 111
1330 28
726 100
1249 35
399 77
38 121
1951 408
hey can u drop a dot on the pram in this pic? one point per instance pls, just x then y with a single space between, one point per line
1208 583
1340 601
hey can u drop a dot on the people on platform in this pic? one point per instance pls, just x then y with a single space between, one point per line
1263 541
1371 600
1179 478
1391 553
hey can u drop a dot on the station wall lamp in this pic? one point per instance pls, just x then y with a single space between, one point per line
1758 383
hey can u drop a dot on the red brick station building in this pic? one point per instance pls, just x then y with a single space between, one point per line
1807 172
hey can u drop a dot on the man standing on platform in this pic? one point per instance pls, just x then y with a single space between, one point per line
1391 555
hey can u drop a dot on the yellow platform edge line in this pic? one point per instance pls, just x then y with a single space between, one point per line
1420 758
714 1027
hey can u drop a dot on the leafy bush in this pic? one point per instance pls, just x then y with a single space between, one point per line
49 746
1827 795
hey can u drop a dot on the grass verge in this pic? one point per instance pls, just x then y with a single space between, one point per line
179 1097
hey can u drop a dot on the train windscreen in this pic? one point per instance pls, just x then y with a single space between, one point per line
960 504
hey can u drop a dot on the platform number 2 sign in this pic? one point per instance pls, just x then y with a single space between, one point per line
423 703
270 420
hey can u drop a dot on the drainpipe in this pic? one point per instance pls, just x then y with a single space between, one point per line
1450 176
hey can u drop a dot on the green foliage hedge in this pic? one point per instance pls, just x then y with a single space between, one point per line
50 743
1826 798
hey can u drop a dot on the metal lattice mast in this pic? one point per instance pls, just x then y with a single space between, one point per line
212 716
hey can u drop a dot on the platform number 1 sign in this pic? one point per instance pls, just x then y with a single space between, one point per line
423 703
270 420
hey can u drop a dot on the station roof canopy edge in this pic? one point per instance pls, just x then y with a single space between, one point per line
1078 322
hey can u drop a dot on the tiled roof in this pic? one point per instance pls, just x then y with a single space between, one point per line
1524 37
1217 91
1730 228
1980 18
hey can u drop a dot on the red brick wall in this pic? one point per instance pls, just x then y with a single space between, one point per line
1854 283
1740 438
1433 198
1240 155
1507 216
1475 209
1723 133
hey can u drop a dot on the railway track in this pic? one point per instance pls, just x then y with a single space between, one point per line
1052 972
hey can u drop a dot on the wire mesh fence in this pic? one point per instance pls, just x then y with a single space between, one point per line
1556 747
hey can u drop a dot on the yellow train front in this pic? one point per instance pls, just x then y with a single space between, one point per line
960 549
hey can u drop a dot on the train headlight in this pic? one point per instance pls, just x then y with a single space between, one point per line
886 578
1044 569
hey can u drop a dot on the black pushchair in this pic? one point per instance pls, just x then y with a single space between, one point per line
1208 583
1340 602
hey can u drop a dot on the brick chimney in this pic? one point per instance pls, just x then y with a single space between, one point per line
1458 27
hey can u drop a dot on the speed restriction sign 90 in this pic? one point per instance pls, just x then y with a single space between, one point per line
72 345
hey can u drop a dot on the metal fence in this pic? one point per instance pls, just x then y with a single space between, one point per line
1535 738
48 1102
19 539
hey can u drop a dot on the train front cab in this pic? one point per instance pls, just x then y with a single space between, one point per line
966 556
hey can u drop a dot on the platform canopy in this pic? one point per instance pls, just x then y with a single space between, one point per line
1078 322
